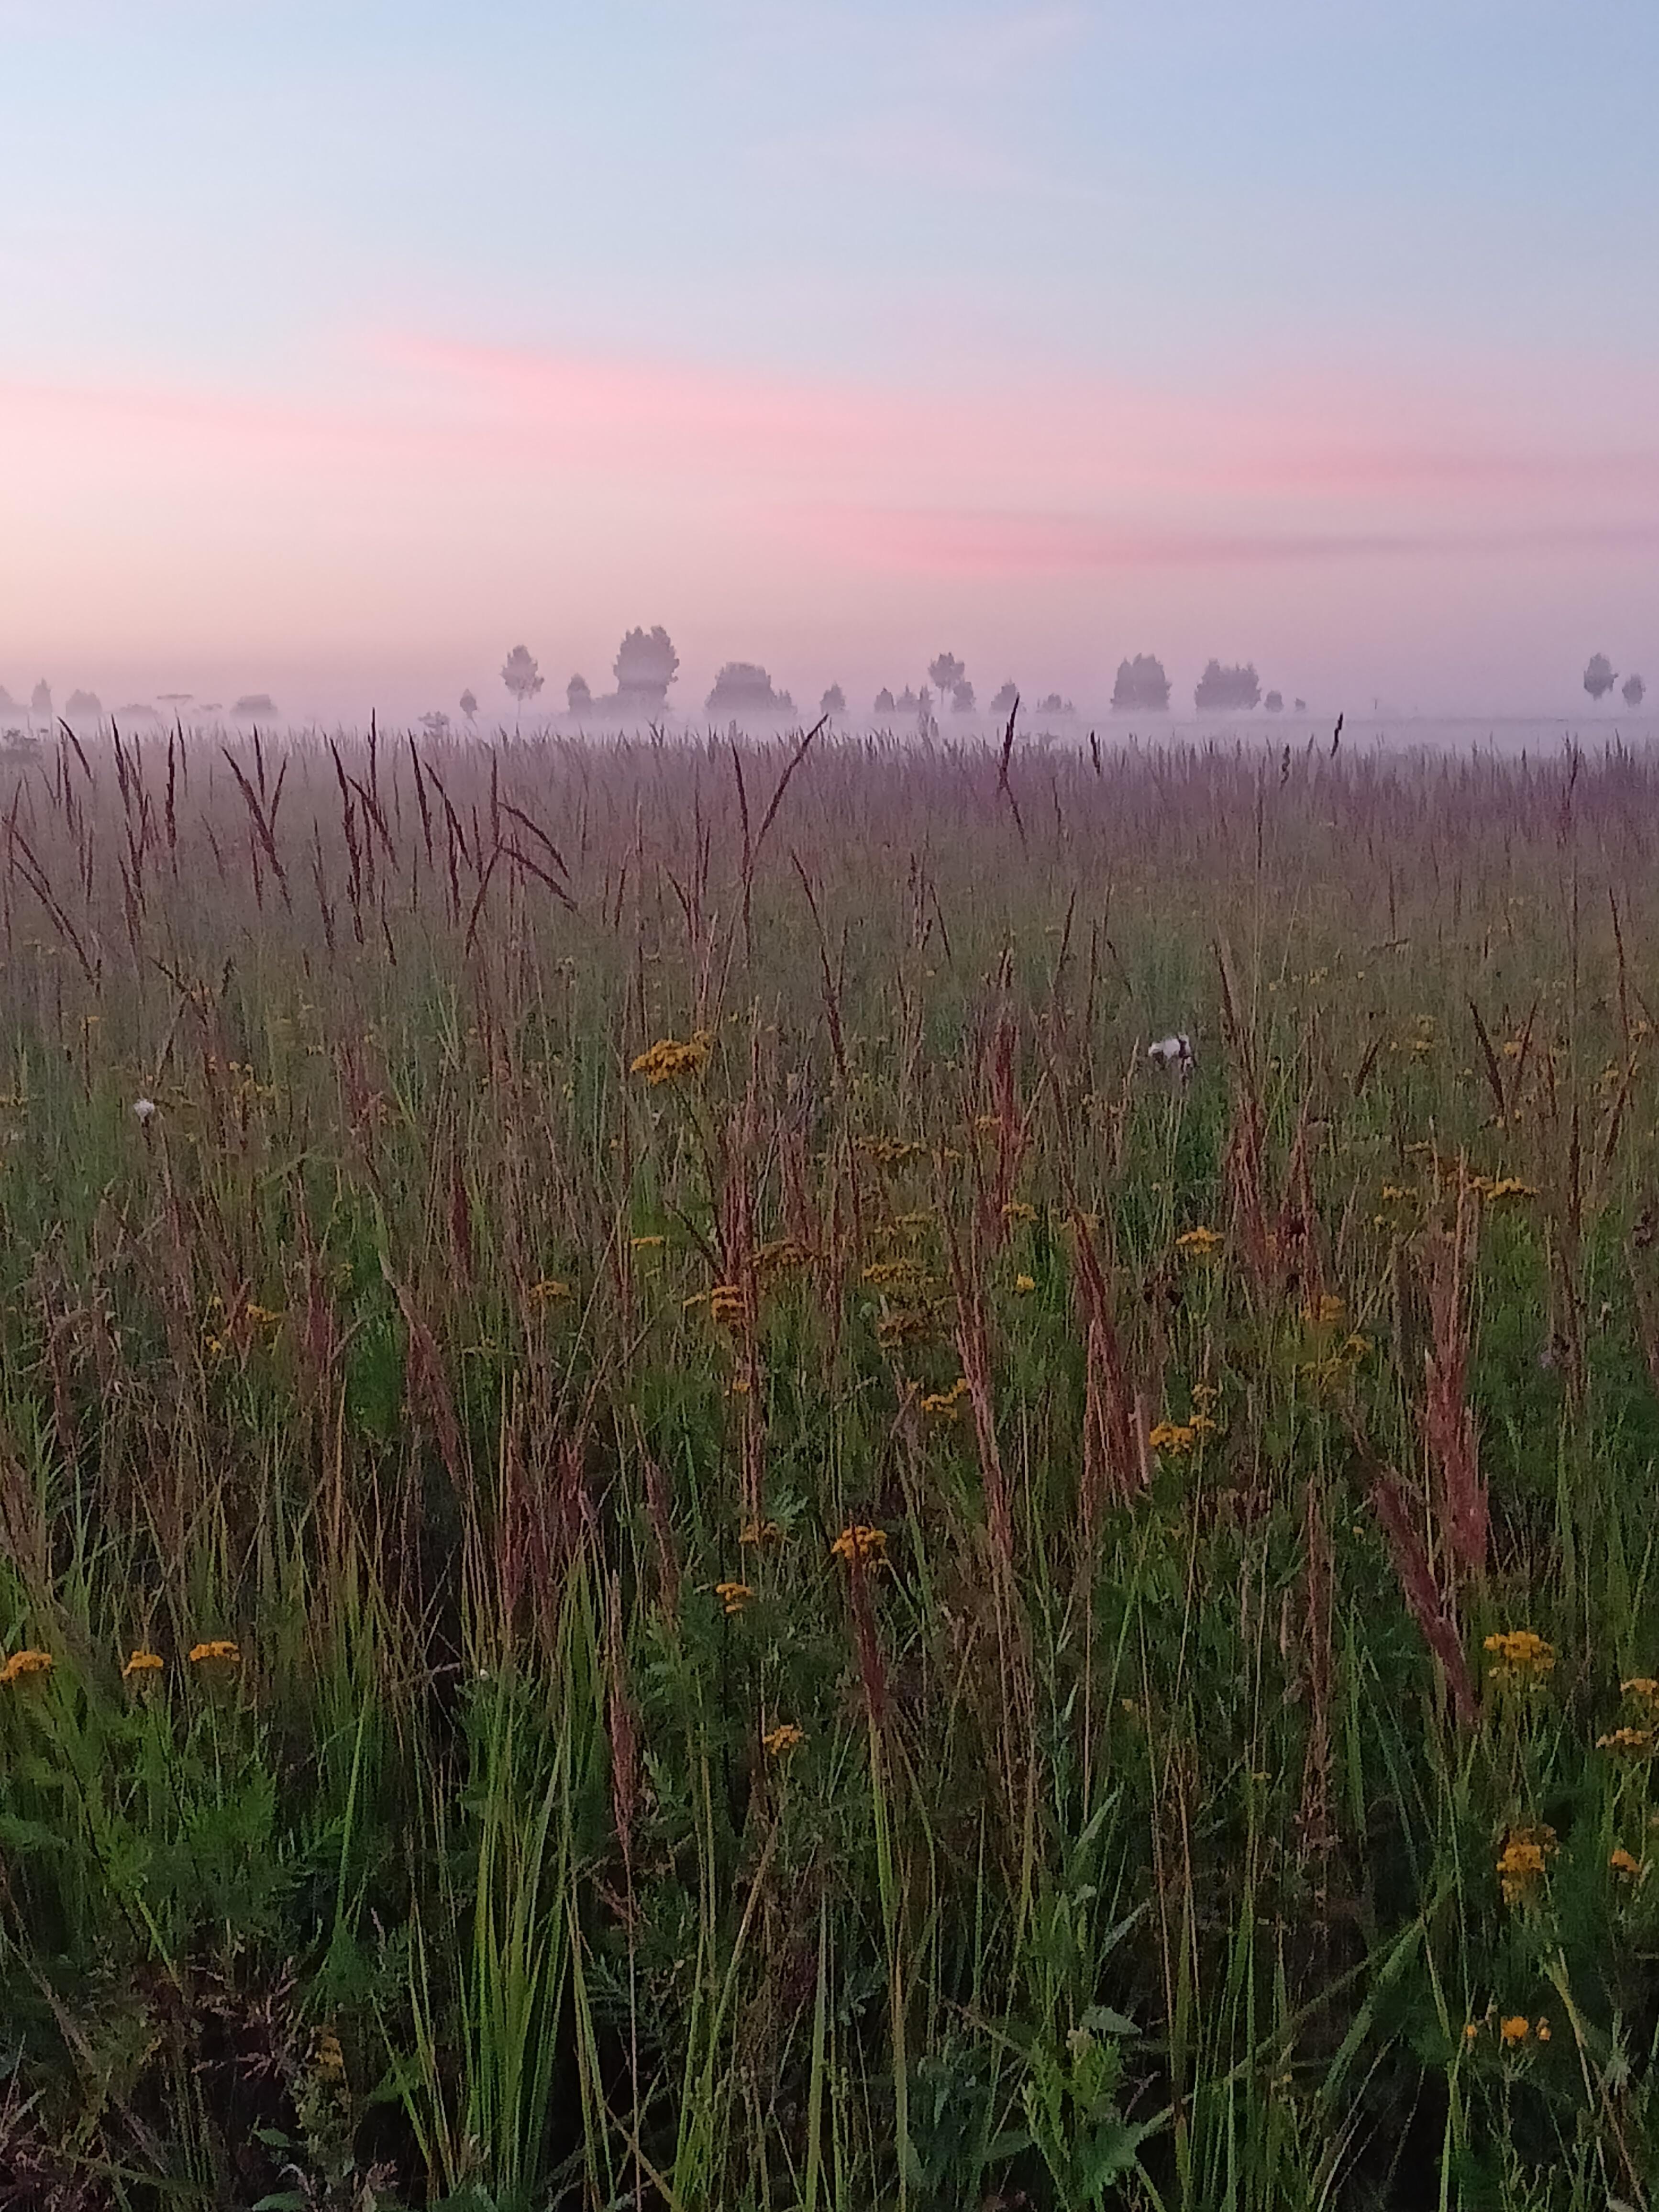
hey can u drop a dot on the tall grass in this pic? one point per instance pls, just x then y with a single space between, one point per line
913 1612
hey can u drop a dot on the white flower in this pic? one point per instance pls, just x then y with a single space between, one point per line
1172 1052
144 1107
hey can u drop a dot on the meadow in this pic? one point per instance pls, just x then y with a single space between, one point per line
674 1535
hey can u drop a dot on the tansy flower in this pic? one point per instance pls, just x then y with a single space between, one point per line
21 1664
757 1534
1017 1210
550 1288
141 1663
1175 1438
219 1653
727 1302
1521 1863
1636 1743
942 1405
734 1596
1520 1656
1199 1244
1024 1285
1516 2029
785 1737
645 1244
327 2059
1622 1863
669 1060
1472 2031
1644 1688
858 1541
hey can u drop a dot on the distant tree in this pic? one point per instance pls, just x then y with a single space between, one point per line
1141 683
7 704
436 724
743 687
834 701
252 704
962 697
1006 700
1227 687
522 678
1300 706
1599 678
1634 691
579 696
1274 702
469 705
135 710
907 701
646 664
945 672
1053 704
40 698
885 703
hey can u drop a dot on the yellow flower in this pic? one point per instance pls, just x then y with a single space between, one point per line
1622 1863
24 1663
888 1151
669 1058
859 1542
942 1405
1542 2031
1175 1438
1520 1656
1017 1210
142 1662
219 1653
1471 2030
727 1304
734 1596
758 1534
1199 1244
1643 1687
785 1737
1328 1311
645 1244
893 1275
1024 1285
327 2059
550 1288
1515 2029
1638 1742
1522 1861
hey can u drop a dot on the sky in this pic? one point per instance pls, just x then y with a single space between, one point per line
346 344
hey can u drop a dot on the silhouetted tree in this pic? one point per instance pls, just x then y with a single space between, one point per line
945 672
743 687
40 698
908 702
1053 704
885 703
1141 683
522 678
436 724
82 706
962 697
578 696
834 701
1003 705
646 664
252 704
1274 702
7 704
1227 687
469 705
1599 678
1300 706
1634 691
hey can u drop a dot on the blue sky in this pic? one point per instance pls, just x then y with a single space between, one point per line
1435 225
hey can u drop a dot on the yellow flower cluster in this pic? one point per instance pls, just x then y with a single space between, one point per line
943 1405
727 1304
1017 1211
141 1663
734 1596
1024 1285
783 1738
757 1535
1522 1861
548 1291
1636 1742
1621 1861
219 1653
888 1151
1521 1658
860 1542
1513 2029
22 1664
1199 1244
1493 1187
1179 1438
669 1058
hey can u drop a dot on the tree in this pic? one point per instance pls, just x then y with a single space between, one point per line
908 702
1141 683
7 704
834 701
945 672
82 706
521 676
885 703
1227 687
962 697
1634 691
1300 706
579 696
40 698
469 705
436 725
252 704
743 687
1274 702
1006 700
1053 704
1599 678
646 664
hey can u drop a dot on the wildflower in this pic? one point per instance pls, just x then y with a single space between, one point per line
1024 1285
1175 1438
783 1738
1515 2028
1542 2031
1636 1742
888 1151
327 2059
1643 1687
1492 1188
892 1274
1622 1863
1522 1861
1017 1211
726 1303
21 1664
859 1542
548 1291
942 1405
987 1124
645 1244
142 1109
778 1258
1199 1244
1471 2030
910 1325
219 1653
141 1663
1172 1052
1520 1657
668 1060
757 1535
734 1596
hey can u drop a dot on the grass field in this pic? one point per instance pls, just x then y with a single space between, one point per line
675 1536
